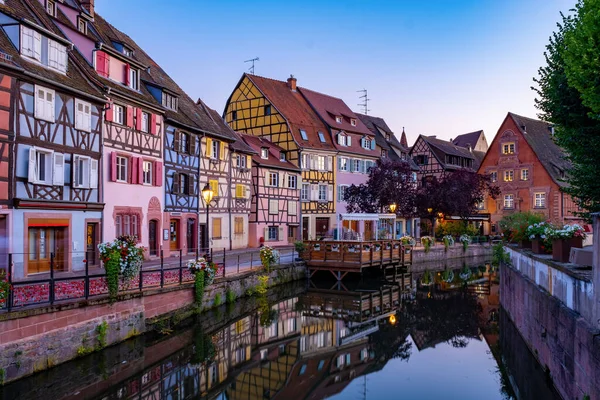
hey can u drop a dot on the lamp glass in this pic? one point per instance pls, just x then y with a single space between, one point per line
393 207
207 194
429 210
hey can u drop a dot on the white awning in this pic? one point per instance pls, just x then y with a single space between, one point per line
366 217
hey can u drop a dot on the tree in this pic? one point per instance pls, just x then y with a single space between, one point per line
568 92
389 182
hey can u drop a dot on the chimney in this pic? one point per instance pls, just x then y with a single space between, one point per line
88 5
291 82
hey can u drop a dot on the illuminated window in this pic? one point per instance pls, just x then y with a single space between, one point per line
508 148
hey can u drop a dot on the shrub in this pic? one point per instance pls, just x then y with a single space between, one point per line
455 229
514 226
229 296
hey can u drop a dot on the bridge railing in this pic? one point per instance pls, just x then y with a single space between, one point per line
353 253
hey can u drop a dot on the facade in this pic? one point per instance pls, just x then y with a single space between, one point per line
528 167
240 189
275 195
54 117
357 153
474 140
278 112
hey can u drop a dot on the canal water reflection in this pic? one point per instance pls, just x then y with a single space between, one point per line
433 335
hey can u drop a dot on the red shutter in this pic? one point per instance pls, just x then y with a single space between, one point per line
138 119
153 124
133 170
102 63
113 167
158 173
140 171
126 71
109 112
130 116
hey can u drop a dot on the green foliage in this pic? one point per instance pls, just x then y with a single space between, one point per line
4 288
455 228
84 351
101 330
112 266
514 226
262 286
266 311
229 296
568 92
300 247
2 376
204 349
427 242
251 291
499 255
199 288
218 300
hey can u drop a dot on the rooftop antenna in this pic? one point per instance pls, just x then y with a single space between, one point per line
251 69
365 98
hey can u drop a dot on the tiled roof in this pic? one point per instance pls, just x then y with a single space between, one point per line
296 110
538 135
256 143
467 139
447 147
240 146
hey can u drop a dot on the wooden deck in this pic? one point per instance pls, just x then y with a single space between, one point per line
343 257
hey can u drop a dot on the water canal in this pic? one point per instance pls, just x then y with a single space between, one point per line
433 335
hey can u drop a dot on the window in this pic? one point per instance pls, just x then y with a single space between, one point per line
292 182
54 53
183 183
81 171
321 364
342 140
509 201
127 224
145 118
133 78
353 122
282 156
321 163
216 228
525 174
292 207
31 43
264 153
303 134
81 25
83 115
127 51
240 161
238 226
421 159
47 167
273 179
184 142
540 200
44 103
215 149
322 193
272 233
494 176
57 55
509 176
147 172
273 207
302 370
268 109
169 101
51 8
367 143
508 148
122 169
305 163
304 192
234 115
240 191
118 114
356 165
321 137
341 192
338 119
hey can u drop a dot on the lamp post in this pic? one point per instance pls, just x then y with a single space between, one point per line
207 194
430 211
393 207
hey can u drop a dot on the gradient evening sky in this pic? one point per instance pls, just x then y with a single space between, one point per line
435 67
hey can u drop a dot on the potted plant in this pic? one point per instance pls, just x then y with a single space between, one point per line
540 236
268 257
427 242
465 240
514 227
300 248
4 288
408 242
448 241
564 239
121 258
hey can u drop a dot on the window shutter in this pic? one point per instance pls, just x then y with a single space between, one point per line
93 174
209 147
266 236
248 162
75 170
339 138
113 166
222 151
339 163
109 113
58 172
102 63
267 183
134 170
246 192
349 141
49 109
138 119
191 185
175 185
281 178
153 124
37 45
330 191
192 145
140 171
313 161
40 103
78 115
32 171
126 70
329 163
158 173
314 192
373 144
281 233
129 116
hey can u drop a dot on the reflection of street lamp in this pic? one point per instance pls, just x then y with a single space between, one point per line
430 211
207 194
392 319
393 208
440 215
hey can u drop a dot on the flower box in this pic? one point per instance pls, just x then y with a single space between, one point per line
537 246
525 244
561 248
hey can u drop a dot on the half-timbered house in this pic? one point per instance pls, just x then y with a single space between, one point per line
274 217
240 189
529 168
277 111
474 140
56 117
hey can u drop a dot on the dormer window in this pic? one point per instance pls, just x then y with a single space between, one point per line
353 122
127 51
344 140
169 101
81 25
133 78
367 143
45 51
51 8
268 109
303 134
338 119
264 153
321 137
282 156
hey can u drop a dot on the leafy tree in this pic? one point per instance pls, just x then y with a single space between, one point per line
389 182
568 89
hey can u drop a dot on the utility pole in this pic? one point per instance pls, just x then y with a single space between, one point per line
365 101
251 69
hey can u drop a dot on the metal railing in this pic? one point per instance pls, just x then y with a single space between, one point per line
63 285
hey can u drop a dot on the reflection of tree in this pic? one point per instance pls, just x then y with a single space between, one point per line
390 341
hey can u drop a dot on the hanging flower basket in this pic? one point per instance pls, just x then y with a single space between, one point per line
4 288
121 258
448 241
209 268
448 276
427 279
465 240
465 274
427 242
268 257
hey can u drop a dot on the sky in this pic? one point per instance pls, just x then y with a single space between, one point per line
436 67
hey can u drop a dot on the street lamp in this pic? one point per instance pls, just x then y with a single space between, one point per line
393 208
207 194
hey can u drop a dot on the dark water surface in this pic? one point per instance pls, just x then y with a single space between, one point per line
438 335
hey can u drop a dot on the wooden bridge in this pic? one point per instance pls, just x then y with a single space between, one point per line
343 257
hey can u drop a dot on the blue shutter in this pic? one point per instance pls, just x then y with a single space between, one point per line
373 144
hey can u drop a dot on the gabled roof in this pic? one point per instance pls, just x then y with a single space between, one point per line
538 135
296 110
447 147
257 143
467 139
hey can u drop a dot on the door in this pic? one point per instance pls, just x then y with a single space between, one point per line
3 243
369 232
203 238
152 239
191 235
174 237
44 242
322 227
92 243
304 228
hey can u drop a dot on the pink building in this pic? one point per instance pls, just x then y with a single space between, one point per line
275 208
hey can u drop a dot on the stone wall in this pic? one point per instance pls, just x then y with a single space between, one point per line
563 341
37 339
437 254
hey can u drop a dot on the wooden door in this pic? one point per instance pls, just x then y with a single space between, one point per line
152 238
202 231
322 227
174 236
92 243
369 232
191 235
45 242
304 228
